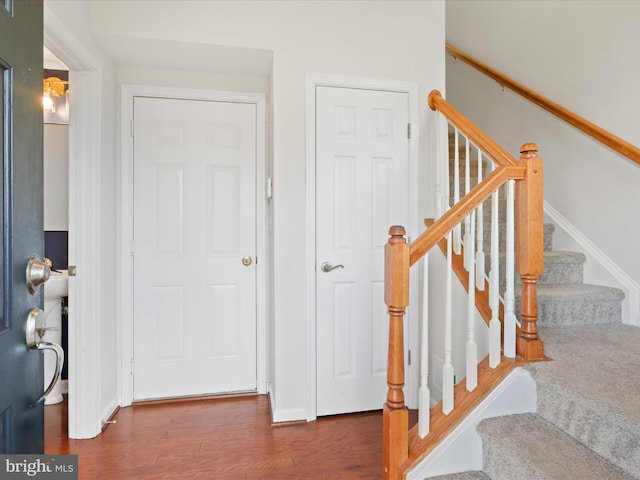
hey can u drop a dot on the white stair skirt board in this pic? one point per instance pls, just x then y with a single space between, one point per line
462 450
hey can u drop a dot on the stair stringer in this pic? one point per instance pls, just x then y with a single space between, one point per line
461 450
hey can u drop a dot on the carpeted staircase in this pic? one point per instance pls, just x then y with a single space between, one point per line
588 422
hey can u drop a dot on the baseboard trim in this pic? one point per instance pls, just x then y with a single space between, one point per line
195 398
293 415
108 415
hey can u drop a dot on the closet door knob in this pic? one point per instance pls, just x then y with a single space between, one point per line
326 267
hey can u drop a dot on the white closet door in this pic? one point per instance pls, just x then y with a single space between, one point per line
194 247
362 185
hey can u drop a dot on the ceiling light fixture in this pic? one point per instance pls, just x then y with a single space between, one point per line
53 87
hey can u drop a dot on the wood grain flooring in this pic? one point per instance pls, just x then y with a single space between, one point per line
221 439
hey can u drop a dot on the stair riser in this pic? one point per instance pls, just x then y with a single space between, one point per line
486 210
556 271
500 467
528 447
502 239
565 273
473 169
619 445
575 311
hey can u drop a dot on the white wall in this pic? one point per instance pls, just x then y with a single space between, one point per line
169 77
581 56
56 177
391 40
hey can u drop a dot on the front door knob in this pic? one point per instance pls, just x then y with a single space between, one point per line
38 272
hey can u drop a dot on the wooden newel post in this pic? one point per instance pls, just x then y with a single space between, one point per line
395 418
530 249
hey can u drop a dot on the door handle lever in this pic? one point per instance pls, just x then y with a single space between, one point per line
35 330
327 267
44 345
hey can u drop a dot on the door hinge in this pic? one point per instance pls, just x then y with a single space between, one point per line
408 130
409 357
269 187
132 366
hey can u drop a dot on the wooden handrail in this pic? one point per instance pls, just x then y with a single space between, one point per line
606 138
480 139
464 207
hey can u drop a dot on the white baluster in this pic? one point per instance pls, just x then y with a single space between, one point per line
456 192
472 347
442 165
447 368
494 285
480 264
468 248
447 186
424 400
509 296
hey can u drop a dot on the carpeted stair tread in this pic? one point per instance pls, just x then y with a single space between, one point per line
528 447
590 390
576 305
462 476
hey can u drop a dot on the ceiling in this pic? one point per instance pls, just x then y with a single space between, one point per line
192 56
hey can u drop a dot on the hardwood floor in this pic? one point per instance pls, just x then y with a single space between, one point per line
221 439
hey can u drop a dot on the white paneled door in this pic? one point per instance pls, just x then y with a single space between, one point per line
362 188
194 247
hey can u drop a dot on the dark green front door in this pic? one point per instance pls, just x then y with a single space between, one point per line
21 369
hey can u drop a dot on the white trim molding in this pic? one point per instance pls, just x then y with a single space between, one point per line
84 225
313 81
125 221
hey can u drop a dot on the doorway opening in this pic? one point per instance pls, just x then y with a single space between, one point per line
84 235
56 218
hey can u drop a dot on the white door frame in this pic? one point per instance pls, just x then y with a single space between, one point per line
411 89
126 216
84 225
